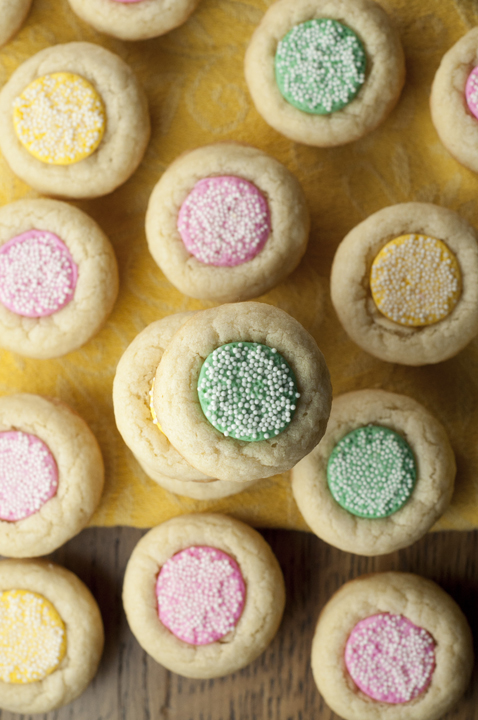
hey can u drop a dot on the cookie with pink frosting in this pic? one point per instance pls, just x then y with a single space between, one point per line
134 19
454 100
227 222
58 278
203 594
51 475
392 645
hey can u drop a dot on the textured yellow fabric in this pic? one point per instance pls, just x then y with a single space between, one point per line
195 84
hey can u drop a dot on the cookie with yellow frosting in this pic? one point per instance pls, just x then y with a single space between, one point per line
74 121
137 420
51 636
404 283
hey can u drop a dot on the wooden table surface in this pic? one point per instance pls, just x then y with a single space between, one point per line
279 684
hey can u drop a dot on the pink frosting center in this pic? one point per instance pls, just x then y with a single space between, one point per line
224 221
38 275
471 92
28 475
389 658
201 594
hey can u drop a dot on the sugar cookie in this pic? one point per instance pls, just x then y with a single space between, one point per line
391 645
276 428
227 222
381 477
404 283
203 595
132 405
453 100
336 92
51 636
51 475
134 19
13 13
73 121
58 278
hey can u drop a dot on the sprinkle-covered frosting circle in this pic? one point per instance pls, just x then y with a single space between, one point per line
389 658
38 275
32 637
371 472
201 594
59 118
471 92
28 475
224 221
415 280
247 391
320 66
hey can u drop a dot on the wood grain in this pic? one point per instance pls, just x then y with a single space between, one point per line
279 685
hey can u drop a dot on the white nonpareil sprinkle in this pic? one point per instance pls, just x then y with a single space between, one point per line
415 280
247 391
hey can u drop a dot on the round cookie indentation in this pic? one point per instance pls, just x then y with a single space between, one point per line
32 637
59 118
38 275
389 658
371 472
415 280
247 391
28 475
224 221
320 66
201 594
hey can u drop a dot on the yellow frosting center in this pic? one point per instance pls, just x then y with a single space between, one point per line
60 118
151 407
32 637
415 280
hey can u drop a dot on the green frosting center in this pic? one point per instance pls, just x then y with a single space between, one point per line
320 66
247 391
371 472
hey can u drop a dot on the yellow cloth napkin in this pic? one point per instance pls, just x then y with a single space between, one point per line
195 84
